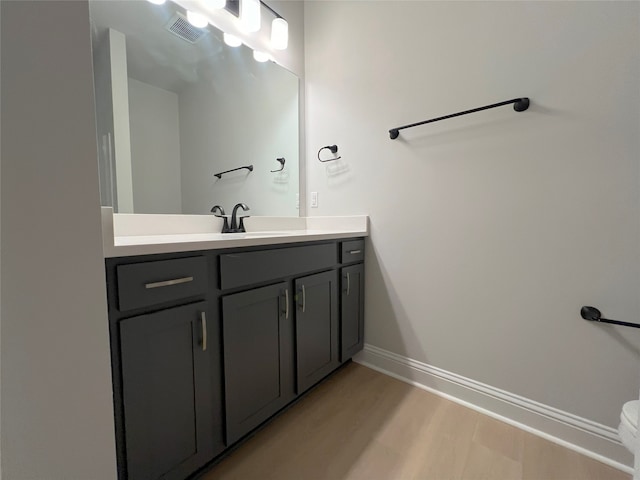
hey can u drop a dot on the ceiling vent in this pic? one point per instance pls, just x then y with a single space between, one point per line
180 27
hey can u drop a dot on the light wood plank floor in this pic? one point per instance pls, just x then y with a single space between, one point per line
360 424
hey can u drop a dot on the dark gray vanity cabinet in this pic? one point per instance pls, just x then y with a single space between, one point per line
352 311
351 298
257 338
166 392
166 364
316 328
207 346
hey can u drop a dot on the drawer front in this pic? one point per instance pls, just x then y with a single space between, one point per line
352 251
247 268
150 283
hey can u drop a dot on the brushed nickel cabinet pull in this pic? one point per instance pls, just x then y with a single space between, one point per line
203 317
353 252
348 283
167 283
304 299
286 304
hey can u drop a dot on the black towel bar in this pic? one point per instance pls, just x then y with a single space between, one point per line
519 105
248 167
594 315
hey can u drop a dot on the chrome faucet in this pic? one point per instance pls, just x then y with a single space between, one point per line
234 218
225 225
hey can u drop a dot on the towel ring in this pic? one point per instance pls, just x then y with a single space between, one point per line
333 149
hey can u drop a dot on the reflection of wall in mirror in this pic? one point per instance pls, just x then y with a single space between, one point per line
178 142
256 115
155 149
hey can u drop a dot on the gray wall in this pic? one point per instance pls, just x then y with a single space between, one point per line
57 416
488 232
155 148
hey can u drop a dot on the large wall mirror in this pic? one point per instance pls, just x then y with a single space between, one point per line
175 105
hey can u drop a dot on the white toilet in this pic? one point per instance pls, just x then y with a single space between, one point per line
628 429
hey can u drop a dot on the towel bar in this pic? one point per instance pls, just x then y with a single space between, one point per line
594 315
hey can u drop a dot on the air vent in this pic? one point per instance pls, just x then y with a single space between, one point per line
180 27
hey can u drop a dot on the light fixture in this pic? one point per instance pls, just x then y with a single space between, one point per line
250 15
279 30
157 2
259 56
197 19
279 33
231 40
216 4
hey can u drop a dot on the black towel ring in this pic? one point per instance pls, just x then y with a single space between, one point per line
333 149
281 161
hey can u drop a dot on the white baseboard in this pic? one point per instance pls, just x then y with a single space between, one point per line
582 435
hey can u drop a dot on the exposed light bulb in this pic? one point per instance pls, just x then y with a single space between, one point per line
216 4
197 19
259 56
279 34
157 2
250 15
232 40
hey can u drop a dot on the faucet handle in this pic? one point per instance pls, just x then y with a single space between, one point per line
225 218
219 209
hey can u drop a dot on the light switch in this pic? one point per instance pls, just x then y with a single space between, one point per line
314 199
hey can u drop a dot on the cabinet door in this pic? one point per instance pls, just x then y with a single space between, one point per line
316 327
352 311
166 393
257 338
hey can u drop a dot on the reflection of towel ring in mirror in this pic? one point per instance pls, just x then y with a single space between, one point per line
333 149
281 160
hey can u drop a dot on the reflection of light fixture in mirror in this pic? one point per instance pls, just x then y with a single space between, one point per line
216 4
231 40
279 30
279 33
157 2
197 19
259 56
250 15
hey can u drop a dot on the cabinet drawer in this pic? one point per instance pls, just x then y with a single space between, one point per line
150 283
246 268
352 251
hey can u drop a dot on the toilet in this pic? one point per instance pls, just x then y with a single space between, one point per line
628 429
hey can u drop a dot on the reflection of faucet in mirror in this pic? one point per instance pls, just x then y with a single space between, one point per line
225 225
234 218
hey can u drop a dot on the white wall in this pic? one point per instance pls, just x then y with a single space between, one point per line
489 231
155 148
57 415
254 108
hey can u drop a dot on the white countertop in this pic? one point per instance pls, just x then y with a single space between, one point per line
141 234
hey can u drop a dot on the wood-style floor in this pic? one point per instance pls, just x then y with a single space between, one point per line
360 424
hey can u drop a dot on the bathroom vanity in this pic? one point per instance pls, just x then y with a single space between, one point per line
208 344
